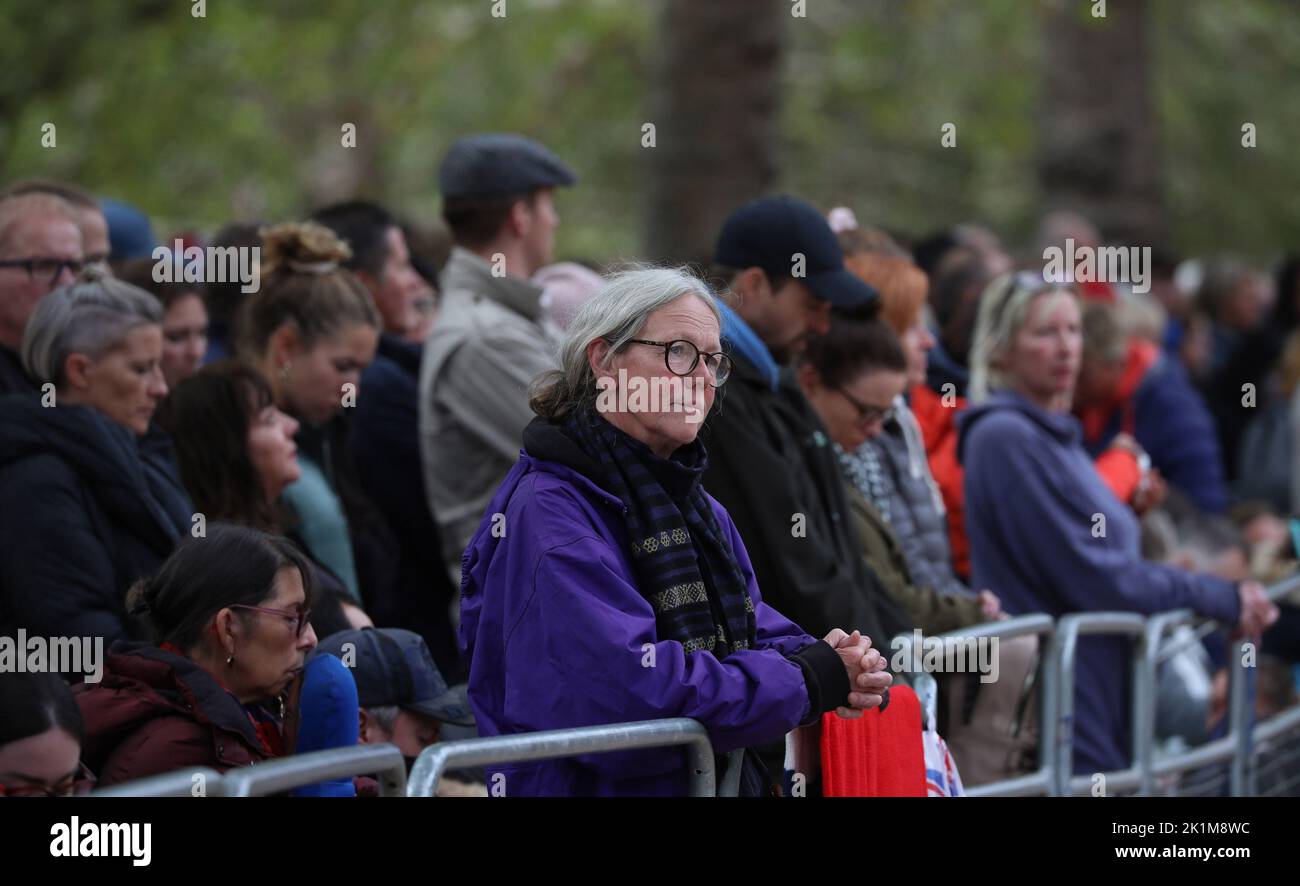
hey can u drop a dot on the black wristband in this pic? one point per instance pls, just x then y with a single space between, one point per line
826 677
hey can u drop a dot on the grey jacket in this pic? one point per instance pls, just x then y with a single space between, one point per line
485 349
892 472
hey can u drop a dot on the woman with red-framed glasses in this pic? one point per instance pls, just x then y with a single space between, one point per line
40 738
218 687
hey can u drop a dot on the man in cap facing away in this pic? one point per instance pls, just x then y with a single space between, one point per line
488 344
402 696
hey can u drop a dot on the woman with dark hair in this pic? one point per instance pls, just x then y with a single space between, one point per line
237 454
853 376
40 737
229 614
185 319
234 445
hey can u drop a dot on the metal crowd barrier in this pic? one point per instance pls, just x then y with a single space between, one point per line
1231 764
384 761
1260 758
1252 759
172 784
1039 782
1142 698
434 760
1277 747
1220 764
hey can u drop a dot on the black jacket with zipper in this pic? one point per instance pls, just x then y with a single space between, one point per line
773 467
86 509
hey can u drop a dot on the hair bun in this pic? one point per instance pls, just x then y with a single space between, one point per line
302 247
139 596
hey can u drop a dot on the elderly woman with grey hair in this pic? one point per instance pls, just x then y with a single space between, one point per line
85 511
605 585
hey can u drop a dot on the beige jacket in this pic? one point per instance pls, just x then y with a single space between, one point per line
485 349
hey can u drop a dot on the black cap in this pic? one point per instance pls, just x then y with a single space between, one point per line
393 667
496 165
770 233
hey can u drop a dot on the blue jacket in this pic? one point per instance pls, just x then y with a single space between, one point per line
1170 420
557 635
329 717
1032 503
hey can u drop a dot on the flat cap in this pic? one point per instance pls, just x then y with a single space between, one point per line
495 165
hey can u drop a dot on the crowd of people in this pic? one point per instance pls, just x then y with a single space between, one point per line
383 498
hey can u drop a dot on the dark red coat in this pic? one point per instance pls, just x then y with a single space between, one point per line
157 712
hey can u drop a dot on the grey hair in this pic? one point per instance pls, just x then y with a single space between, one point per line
1003 309
617 313
385 716
91 316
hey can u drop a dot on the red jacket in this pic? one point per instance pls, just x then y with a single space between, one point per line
157 712
938 424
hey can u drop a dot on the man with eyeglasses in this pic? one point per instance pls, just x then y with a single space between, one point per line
95 242
771 462
40 249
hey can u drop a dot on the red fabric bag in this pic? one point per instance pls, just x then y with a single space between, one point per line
878 754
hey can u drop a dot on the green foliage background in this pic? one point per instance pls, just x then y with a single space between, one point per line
238 114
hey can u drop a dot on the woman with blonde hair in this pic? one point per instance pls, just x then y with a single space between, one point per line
310 331
1045 528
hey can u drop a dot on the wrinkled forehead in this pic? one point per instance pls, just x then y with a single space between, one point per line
687 317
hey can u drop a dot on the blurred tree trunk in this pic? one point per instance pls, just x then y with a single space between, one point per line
713 102
1098 131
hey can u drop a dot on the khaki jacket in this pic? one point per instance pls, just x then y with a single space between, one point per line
929 610
482 354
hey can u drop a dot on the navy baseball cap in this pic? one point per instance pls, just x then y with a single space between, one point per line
497 165
771 232
393 667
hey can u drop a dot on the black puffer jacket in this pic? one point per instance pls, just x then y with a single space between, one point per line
86 509
770 463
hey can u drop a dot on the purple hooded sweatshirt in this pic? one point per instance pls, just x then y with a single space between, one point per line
558 635
1031 497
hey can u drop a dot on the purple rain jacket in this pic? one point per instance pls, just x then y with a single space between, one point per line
557 635
1032 498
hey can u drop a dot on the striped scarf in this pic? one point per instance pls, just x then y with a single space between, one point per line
684 565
